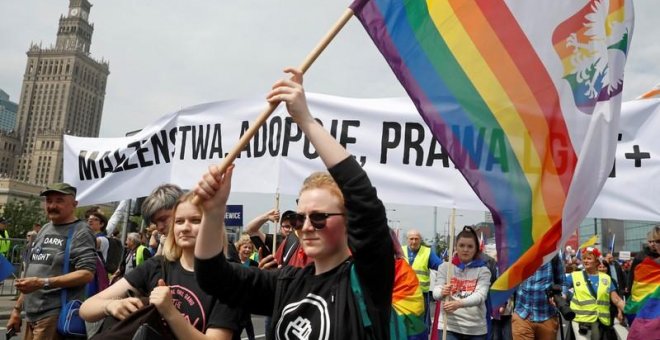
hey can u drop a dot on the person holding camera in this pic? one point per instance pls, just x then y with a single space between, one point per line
535 313
591 301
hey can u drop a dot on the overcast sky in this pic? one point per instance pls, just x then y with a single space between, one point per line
168 54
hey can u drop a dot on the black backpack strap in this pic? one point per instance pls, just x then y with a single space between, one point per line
589 285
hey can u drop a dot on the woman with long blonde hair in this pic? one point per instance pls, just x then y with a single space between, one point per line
189 312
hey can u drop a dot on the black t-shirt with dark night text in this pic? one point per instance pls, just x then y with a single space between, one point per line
199 308
312 307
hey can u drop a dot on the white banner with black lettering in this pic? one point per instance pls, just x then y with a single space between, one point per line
386 136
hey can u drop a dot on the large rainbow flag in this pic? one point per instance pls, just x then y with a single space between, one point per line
524 96
645 301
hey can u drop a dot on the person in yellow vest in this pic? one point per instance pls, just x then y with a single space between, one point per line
422 259
5 244
593 292
136 254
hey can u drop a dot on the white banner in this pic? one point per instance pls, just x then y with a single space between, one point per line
387 136
631 191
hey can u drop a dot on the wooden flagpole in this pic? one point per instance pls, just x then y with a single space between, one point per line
450 268
277 223
261 119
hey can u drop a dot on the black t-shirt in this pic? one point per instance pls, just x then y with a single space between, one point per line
304 306
310 308
199 308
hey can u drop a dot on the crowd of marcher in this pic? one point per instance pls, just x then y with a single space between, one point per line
334 270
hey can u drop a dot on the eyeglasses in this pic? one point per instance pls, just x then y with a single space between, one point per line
317 219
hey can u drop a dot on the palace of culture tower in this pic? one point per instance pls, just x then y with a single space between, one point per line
63 92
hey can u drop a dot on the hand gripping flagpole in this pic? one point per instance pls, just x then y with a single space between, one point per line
252 130
277 223
450 268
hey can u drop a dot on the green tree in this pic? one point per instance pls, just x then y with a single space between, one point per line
22 215
441 244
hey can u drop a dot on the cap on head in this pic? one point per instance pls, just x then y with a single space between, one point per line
287 215
61 188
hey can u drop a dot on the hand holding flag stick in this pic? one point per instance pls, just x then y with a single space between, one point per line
261 119
277 223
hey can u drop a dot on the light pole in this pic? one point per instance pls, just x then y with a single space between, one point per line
391 223
451 237
435 228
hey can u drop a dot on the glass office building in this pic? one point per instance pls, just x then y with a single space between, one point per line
627 235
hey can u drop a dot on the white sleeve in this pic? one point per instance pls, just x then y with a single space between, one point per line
440 280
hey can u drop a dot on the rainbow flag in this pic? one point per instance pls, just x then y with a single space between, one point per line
407 299
645 301
524 96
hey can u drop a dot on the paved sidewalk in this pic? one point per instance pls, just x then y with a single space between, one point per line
7 303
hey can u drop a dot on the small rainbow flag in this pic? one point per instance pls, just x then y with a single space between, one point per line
525 98
407 299
645 300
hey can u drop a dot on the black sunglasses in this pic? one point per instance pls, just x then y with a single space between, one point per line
317 219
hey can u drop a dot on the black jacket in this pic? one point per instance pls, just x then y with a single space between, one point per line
267 292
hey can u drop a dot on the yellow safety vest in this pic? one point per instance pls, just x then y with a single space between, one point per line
139 255
586 308
4 244
420 266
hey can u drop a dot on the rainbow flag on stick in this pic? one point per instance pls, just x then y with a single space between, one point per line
645 301
407 301
524 96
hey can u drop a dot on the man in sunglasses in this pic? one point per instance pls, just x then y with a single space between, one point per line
287 251
341 224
